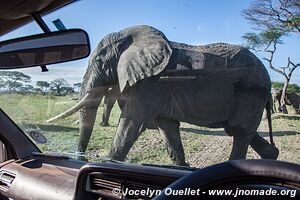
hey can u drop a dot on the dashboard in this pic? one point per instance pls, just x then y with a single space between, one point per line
61 178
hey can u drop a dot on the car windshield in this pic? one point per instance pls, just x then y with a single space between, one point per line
189 83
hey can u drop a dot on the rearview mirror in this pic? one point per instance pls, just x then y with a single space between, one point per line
43 49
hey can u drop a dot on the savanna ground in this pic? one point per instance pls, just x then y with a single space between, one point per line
203 146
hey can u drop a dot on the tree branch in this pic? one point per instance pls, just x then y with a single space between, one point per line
293 68
270 61
275 14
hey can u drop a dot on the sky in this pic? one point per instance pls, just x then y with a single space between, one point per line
195 22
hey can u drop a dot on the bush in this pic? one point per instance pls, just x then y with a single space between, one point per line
292 87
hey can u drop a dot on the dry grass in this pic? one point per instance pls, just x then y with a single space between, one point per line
202 146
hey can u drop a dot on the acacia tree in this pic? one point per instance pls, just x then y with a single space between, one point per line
281 15
292 87
27 89
274 19
14 80
43 85
59 85
77 87
1 83
67 90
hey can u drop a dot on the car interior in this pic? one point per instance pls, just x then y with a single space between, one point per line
28 173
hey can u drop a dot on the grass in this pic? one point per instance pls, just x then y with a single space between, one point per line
202 146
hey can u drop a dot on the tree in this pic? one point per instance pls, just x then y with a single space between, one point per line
2 83
14 80
77 86
274 19
67 90
58 85
13 85
27 89
281 15
43 85
292 87
37 90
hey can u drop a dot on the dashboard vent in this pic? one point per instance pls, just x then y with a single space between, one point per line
140 186
143 187
6 179
3 187
100 183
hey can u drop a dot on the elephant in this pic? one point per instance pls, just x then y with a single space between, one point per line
216 85
291 99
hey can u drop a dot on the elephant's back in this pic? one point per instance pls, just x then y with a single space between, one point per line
218 49
221 49
221 60
216 56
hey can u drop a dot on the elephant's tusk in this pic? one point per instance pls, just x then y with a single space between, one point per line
71 110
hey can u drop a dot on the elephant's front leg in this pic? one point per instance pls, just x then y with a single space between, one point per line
86 123
127 134
169 130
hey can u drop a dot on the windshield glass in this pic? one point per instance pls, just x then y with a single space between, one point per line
185 83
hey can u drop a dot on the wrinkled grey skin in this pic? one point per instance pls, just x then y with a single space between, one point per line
217 85
112 96
291 99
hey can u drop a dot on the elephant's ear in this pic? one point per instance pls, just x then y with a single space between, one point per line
148 55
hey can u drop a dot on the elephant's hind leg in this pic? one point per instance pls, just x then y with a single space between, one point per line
244 122
263 148
108 104
169 130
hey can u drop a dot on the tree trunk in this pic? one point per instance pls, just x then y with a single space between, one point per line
282 99
58 91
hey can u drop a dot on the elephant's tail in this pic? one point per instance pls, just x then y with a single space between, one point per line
269 106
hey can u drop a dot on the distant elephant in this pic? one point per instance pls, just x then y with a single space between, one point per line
291 99
215 85
276 95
